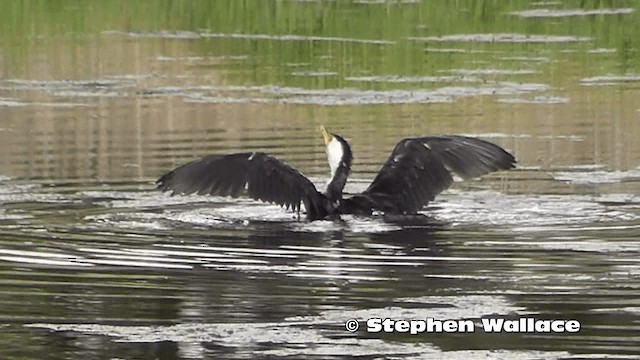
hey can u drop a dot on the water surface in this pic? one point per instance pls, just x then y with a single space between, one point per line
98 100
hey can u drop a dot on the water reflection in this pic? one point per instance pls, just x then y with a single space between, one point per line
140 267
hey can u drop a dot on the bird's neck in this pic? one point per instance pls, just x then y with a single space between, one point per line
337 183
339 157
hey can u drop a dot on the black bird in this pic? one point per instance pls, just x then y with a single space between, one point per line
416 171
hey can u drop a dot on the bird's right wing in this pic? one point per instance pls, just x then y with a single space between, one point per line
420 168
262 176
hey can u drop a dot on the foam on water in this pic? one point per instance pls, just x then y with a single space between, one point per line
295 340
521 212
597 177
344 96
326 334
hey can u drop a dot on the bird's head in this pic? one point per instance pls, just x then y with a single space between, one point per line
326 135
338 150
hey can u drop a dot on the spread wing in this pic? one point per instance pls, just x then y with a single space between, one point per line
262 176
420 168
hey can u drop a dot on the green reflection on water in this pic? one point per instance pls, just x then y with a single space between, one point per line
25 25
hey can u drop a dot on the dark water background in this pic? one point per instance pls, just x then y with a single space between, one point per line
98 99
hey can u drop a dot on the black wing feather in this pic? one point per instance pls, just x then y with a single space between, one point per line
420 168
265 178
469 157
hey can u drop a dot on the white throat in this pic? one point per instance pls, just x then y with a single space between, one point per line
334 155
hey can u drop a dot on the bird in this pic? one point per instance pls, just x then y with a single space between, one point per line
418 169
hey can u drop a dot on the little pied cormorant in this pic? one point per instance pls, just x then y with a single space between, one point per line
416 171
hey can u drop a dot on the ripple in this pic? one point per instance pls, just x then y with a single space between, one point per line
564 137
130 221
314 73
19 103
537 59
10 216
587 245
554 13
6 102
468 72
42 258
189 35
497 136
546 3
536 100
291 37
602 51
334 97
386 2
370 225
342 96
609 80
455 50
26 193
503 37
163 34
93 257
15 84
411 79
115 86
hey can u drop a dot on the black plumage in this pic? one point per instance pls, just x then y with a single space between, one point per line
339 179
261 175
420 168
416 171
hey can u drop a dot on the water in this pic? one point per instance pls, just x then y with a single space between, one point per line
98 100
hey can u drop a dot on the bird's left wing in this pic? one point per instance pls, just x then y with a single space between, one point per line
420 168
262 176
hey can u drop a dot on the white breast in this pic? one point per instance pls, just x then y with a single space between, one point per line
334 155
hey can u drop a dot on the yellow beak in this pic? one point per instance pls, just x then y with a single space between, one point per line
326 135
